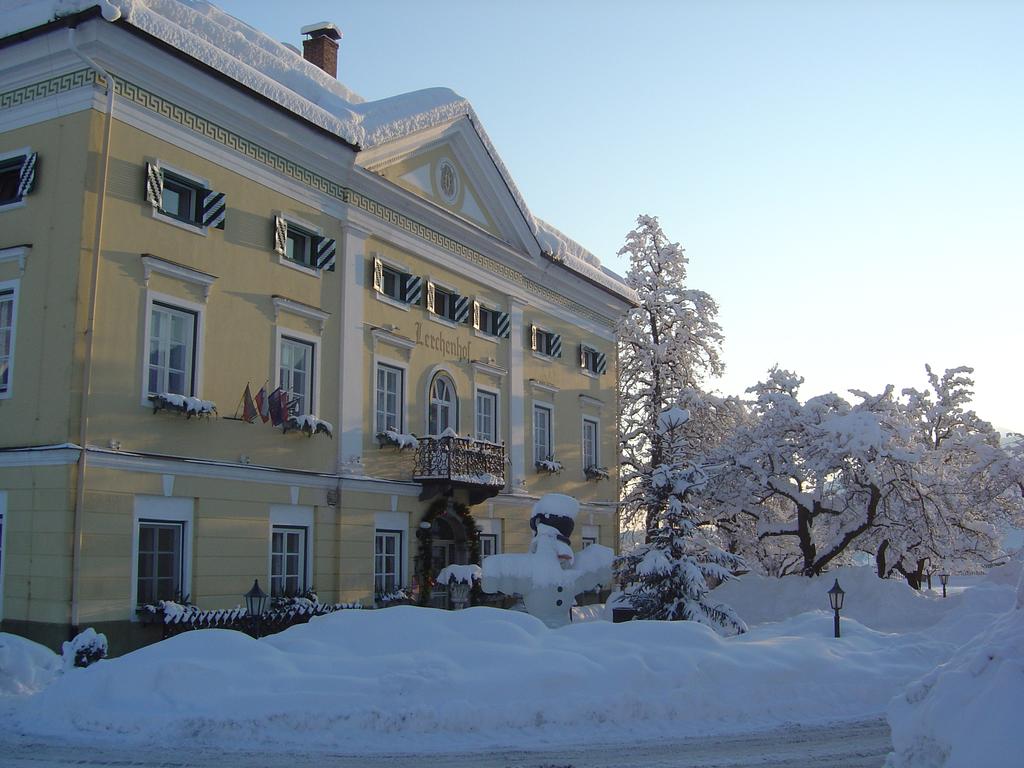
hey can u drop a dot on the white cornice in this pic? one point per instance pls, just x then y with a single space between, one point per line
593 402
16 253
494 370
543 386
41 456
151 264
301 310
382 335
193 467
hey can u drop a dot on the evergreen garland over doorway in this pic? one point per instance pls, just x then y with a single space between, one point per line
424 533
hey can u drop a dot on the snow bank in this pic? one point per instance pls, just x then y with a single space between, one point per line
966 712
886 605
25 667
414 679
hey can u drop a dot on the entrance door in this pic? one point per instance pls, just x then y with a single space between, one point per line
440 556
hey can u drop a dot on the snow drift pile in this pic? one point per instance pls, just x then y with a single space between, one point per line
966 712
412 679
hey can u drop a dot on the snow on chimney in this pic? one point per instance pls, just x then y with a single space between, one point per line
321 48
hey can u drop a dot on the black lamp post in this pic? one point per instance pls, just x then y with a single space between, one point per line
835 599
255 604
944 578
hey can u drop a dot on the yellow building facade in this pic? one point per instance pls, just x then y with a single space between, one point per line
171 237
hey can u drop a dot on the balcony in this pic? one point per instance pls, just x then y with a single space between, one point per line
448 462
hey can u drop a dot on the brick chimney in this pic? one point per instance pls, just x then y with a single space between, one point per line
321 47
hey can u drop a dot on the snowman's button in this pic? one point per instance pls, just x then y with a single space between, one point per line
559 589
558 602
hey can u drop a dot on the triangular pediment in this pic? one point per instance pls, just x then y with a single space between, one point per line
450 167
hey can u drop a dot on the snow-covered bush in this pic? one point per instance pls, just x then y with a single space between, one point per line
87 647
401 596
459 574
305 600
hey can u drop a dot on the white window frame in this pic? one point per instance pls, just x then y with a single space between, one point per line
454 416
495 396
23 152
537 353
590 534
197 181
401 368
394 266
491 527
399 556
291 516
281 332
437 317
309 353
152 297
168 509
550 409
4 525
307 228
584 421
14 287
480 333
590 355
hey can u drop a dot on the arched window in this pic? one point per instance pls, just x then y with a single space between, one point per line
443 406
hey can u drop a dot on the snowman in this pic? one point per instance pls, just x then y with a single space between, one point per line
550 575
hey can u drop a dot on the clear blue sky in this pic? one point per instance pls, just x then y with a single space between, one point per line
847 177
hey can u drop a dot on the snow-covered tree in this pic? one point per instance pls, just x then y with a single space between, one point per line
970 487
668 344
667 577
810 477
918 482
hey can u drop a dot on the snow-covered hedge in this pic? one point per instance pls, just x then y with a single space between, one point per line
283 613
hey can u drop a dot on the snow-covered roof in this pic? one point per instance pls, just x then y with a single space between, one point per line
279 73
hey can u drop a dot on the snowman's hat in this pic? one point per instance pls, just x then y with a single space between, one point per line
557 511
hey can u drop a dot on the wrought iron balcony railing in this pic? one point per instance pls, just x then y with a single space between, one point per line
460 461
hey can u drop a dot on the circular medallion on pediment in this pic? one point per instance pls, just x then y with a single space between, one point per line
447 181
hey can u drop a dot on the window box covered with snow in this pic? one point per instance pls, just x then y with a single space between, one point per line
190 406
396 439
550 465
596 473
309 425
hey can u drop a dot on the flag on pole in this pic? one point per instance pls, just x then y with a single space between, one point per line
277 407
263 404
249 412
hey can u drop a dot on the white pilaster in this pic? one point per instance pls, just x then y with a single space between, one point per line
517 400
351 408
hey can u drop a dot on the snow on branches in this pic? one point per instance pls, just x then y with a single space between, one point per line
668 577
918 482
668 344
